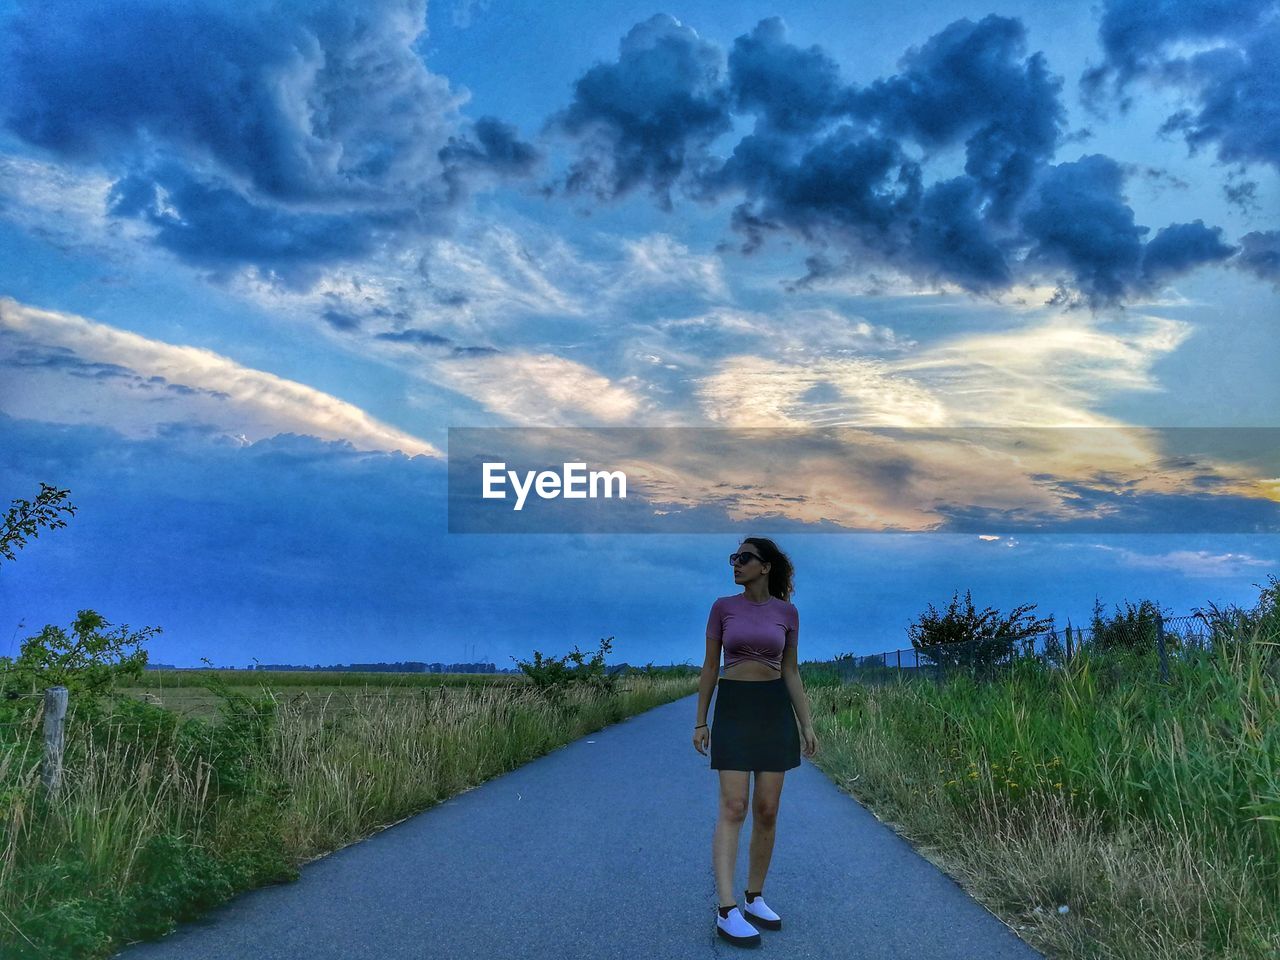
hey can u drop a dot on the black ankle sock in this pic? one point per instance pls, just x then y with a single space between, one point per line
724 911
752 894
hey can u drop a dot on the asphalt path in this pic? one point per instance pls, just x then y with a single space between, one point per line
602 849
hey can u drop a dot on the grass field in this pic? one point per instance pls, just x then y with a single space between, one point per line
1102 814
183 691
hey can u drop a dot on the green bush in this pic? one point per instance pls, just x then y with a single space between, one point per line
972 639
1132 629
88 662
553 678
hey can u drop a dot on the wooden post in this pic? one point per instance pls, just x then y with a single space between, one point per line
1164 664
55 711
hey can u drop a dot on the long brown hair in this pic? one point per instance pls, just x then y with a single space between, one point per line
781 572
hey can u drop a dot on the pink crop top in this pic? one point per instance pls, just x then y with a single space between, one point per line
753 631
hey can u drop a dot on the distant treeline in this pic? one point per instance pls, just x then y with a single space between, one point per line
401 666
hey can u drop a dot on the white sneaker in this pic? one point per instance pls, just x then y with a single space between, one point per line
758 911
736 930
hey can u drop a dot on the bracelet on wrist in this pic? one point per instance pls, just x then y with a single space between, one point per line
699 725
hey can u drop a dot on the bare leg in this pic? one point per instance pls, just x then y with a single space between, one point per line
764 822
735 790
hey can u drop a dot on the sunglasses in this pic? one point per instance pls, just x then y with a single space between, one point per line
744 557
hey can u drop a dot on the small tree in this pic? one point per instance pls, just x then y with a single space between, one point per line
552 676
972 639
87 663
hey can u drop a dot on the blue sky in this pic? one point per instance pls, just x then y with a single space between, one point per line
257 259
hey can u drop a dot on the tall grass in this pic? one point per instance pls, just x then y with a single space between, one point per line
160 816
1101 813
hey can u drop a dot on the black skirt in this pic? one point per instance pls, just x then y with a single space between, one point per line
754 726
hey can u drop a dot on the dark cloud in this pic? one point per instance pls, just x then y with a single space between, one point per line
23 354
1156 176
1135 35
186 391
1080 223
1082 226
341 320
450 298
1260 255
861 192
1242 194
970 82
1179 248
790 89
497 149
847 181
846 168
950 239
213 225
645 117
416 336
1233 73
276 134
18 352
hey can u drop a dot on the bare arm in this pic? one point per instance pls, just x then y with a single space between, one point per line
710 674
791 676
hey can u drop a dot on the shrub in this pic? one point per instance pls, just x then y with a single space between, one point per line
552 677
88 662
972 639
1133 629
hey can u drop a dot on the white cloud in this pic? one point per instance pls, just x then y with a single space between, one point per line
1193 563
64 368
659 261
542 390
67 207
752 391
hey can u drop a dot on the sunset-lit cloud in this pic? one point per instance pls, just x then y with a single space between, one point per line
541 390
65 368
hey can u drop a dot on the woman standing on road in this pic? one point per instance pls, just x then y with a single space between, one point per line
759 700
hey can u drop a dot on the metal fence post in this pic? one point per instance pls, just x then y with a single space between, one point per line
1164 664
55 711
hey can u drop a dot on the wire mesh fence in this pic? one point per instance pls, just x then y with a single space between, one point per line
1156 641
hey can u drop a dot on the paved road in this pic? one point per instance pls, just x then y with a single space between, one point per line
599 850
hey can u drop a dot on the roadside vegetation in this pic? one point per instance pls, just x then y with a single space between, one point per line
1100 812
160 816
